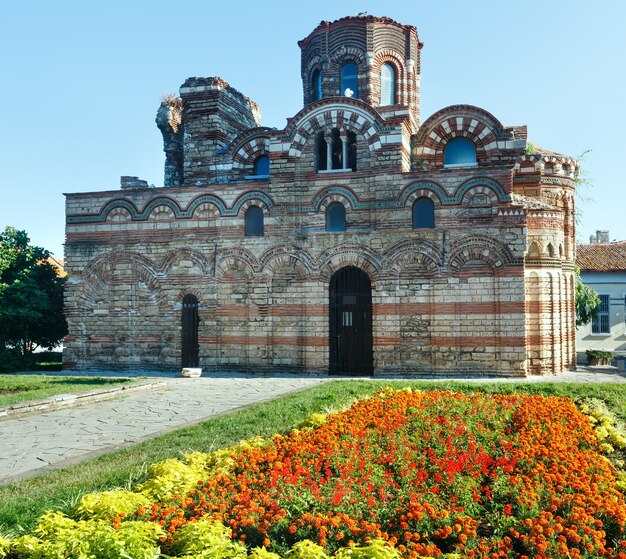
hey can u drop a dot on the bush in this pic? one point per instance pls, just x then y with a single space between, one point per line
599 357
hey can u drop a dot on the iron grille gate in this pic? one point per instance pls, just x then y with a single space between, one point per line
189 341
350 310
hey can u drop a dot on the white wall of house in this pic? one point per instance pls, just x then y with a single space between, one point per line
606 332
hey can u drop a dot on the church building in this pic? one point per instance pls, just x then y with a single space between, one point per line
360 239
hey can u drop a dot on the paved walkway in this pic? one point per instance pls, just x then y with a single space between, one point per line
34 444
38 443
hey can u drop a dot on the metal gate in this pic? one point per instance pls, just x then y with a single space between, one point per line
189 335
350 310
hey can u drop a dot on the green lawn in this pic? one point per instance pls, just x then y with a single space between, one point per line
21 388
21 503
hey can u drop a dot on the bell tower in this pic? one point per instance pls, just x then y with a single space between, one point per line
373 59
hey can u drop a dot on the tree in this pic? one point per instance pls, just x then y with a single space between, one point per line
587 301
31 296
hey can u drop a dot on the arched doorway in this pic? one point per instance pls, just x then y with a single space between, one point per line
350 313
189 334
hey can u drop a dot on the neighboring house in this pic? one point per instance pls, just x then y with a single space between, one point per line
357 240
59 265
603 267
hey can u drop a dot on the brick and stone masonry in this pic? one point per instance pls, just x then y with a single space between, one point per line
487 288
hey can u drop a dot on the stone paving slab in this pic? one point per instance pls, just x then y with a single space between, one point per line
38 443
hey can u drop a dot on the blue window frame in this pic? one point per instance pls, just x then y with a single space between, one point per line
262 166
423 213
460 151
387 84
349 85
254 222
336 217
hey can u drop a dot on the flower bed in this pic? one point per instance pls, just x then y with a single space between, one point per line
404 473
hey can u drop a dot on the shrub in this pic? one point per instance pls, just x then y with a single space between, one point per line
110 504
599 357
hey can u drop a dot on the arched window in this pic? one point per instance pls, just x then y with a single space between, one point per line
351 150
316 85
337 149
423 213
550 250
461 152
336 217
254 222
349 86
262 166
322 152
387 84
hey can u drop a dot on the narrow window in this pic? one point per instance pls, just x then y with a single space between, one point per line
322 152
600 323
550 250
316 84
349 86
254 222
336 217
423 213
352 151
262 166
337 151
461 152
387 84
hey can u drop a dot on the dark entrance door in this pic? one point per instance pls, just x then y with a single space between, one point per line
189 340
350 309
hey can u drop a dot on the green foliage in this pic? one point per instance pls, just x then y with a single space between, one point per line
31 298
170 477
59 537
530 148
306 549
598 355
375 549
207 538
109 504
587 301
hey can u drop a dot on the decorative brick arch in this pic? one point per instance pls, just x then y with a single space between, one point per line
391 57
411 253
350 115
286 257
490 188
255 198
216 205
478 247
98 276
186 254
341 194
344 55
162 211
189 291
355 255
163 204
458 121
103 214
423 189
119 214
248 152
236 260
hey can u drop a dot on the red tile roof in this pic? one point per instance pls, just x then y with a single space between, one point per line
602 257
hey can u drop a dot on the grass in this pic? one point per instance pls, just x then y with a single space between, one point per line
21 388
21 503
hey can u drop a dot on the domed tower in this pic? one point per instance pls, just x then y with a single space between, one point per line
374 59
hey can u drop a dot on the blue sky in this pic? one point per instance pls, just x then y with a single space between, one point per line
82 82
